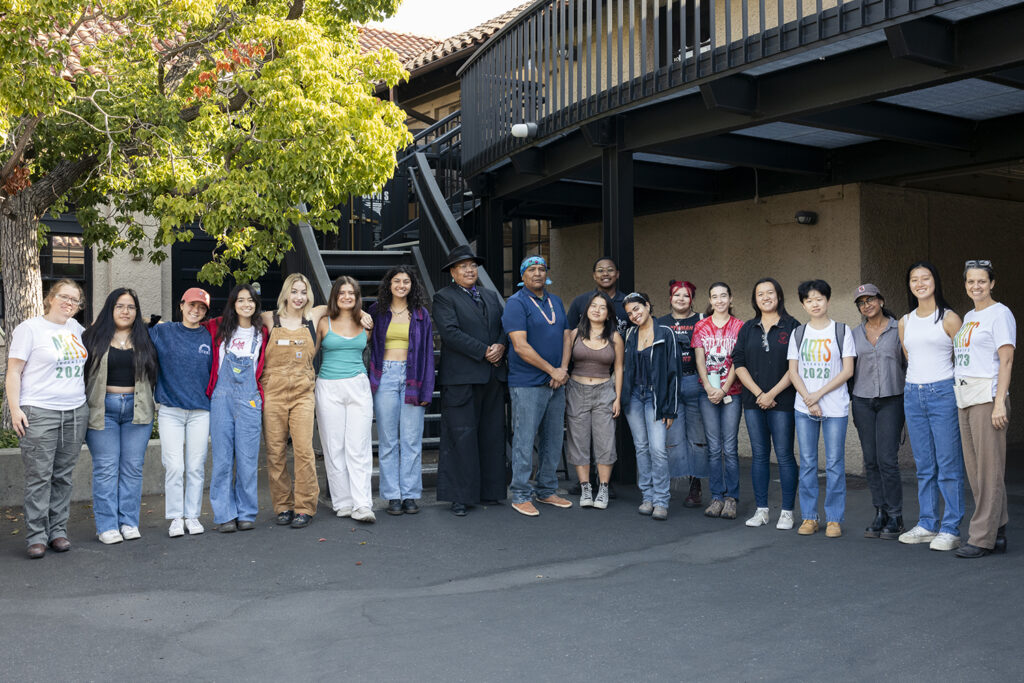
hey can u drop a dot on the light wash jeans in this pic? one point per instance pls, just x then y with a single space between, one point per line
118 451
687 456
933 426
538 414
184 442
765 428
236 416
649 438
721 426
399 434
834 429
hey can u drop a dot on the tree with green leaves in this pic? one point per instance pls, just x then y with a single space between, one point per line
229 112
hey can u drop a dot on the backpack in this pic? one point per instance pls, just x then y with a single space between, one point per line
798 334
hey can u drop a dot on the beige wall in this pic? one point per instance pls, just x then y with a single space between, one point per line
151 282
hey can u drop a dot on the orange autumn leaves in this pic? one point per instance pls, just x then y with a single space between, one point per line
243 55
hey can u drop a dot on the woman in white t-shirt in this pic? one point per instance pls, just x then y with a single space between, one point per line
930 408
984 356
820 358
236 409
45 387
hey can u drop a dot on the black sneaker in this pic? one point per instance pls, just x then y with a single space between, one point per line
410 507
394 507
285 518
228 527
301 520
245 525
459 509
892 529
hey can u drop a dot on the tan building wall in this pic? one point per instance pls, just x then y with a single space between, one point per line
152 282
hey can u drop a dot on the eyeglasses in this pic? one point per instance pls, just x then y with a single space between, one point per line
978 263
64 298
861 303
467 266
125 307
604 271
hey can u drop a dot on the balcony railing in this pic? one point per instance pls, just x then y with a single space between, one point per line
564 62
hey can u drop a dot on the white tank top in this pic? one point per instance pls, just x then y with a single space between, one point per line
929 349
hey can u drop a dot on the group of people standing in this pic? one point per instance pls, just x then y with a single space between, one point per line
682 383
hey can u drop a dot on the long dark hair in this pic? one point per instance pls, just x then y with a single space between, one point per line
610 324
940 301
333 310
781 309
229 319
98 335
710 309
416 299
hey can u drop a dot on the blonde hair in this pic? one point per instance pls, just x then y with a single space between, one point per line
286 288
52 293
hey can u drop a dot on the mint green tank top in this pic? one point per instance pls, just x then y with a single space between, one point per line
342 356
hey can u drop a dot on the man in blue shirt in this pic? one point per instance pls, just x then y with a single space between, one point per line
538 363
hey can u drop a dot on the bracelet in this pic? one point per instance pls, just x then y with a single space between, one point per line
758 396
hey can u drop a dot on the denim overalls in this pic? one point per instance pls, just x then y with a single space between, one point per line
236 412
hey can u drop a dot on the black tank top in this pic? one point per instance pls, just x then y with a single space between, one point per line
121 367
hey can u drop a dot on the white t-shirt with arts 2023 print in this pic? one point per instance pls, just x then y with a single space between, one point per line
54 355
818 363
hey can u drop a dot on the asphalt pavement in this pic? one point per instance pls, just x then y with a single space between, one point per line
572 595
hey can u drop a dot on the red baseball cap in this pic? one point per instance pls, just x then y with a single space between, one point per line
196 294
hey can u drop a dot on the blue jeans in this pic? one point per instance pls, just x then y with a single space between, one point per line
686 454
118 451
236 414
399 434
538 414
721 427
767 427
649 436
807 430
934 430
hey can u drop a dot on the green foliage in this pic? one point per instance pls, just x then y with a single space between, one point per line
226 113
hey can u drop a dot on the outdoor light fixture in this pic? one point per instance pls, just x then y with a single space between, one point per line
524 130
806 217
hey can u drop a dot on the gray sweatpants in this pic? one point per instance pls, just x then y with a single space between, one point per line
49 451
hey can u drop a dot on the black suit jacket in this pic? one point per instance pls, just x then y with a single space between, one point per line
466 331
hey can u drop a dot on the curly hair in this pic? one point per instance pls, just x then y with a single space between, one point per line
417 297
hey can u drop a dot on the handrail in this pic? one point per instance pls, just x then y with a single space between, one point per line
310 262
563 63
433 127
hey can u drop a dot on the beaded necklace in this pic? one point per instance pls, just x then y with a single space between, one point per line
551 307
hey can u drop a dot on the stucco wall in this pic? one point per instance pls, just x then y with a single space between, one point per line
152 282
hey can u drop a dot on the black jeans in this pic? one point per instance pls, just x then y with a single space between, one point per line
879 422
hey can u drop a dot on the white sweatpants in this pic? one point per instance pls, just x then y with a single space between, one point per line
344 415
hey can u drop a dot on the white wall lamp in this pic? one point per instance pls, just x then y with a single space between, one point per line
524 130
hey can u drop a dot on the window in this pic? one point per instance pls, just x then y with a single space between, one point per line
522 238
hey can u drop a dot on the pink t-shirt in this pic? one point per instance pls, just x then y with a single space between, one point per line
718 343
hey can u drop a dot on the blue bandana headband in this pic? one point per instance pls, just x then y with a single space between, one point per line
532 261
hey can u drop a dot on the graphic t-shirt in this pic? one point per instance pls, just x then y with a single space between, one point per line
718 343
54 356
977 343
818 363
682 329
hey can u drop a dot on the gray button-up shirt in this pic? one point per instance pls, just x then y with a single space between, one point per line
881 369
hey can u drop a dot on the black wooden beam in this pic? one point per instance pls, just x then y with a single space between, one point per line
529 161
1013 78
893 122
736 94
928 40
744 150
617 212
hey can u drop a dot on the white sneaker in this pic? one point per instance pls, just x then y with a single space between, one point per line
917 535
130 533
785 520
111 537
945 541
193 527
344 512
760 517
177 528
601 500
586 496
364 515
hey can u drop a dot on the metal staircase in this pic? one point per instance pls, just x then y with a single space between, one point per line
423 212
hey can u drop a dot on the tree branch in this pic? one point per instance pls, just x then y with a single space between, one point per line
19 148
296 10
54 184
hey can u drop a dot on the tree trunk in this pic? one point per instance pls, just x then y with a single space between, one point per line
19 268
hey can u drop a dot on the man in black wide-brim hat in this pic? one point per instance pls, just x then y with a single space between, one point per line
472 375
